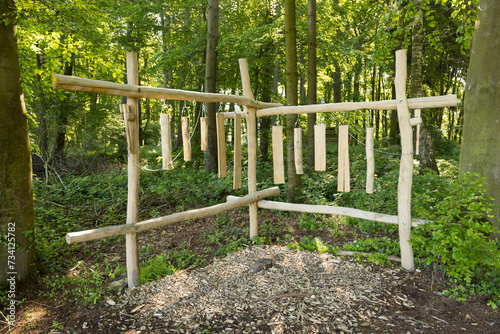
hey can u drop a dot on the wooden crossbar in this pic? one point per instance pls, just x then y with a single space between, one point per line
110 231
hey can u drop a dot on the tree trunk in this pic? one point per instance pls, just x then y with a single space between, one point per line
311 78
16 185
481 132
210 81
60 140
294 179
427 159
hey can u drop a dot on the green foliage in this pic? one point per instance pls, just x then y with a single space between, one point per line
459 238
310 244
310 222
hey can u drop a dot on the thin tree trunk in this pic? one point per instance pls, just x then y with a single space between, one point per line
16 185
210 83
311 78
294 179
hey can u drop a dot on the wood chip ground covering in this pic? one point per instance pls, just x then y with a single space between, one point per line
302 292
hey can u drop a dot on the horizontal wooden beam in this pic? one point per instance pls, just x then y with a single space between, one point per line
105 87
415 103
110 231
332 210
231 115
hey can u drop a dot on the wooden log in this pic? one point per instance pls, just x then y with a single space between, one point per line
370 161
417 134
186 143
166 141
221 146
344 182
232 115
278 165
132 250
415 103
297 150
98 86
125 111
110 231
320 147
406 165
204 133
252 146
332 210
237 153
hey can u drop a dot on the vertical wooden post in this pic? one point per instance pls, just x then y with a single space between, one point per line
204 133
221 145
166 141
320 147
237 152
406 166
252 146
344 183
186 143
278 165
370 161
297 150
132 250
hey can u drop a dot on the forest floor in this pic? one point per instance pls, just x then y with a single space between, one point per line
303 292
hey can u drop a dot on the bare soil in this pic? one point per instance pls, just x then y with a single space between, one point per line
302 292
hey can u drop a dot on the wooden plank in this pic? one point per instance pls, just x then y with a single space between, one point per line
237 153
370 161
186 143
132 250
110 231
406 165
332 210
166 141
98 86
415 103
344 182
221 146
252 146
278 164
320 147
204 133
297 150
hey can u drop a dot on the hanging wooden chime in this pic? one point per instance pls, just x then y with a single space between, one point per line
278 166
204 133
370 161
186 143
320 147
221 145
343 151
237 152
297 149
166 141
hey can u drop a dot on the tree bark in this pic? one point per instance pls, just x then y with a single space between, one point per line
426 155
16 185
311 78
294 179
211 163
481 132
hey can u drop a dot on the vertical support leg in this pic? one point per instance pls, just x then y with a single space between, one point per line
406 166
252 146
132 250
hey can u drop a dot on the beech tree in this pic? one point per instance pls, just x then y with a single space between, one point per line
481 134
16 187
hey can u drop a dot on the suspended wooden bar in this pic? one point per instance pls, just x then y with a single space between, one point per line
278 165
166 142
370 161
344 182
221 146
204 133
237 153
186 142
415 103
105 87
110 231
320 147
297 150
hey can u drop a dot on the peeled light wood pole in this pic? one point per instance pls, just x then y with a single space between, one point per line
252 146
370 161
406 166
132 250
